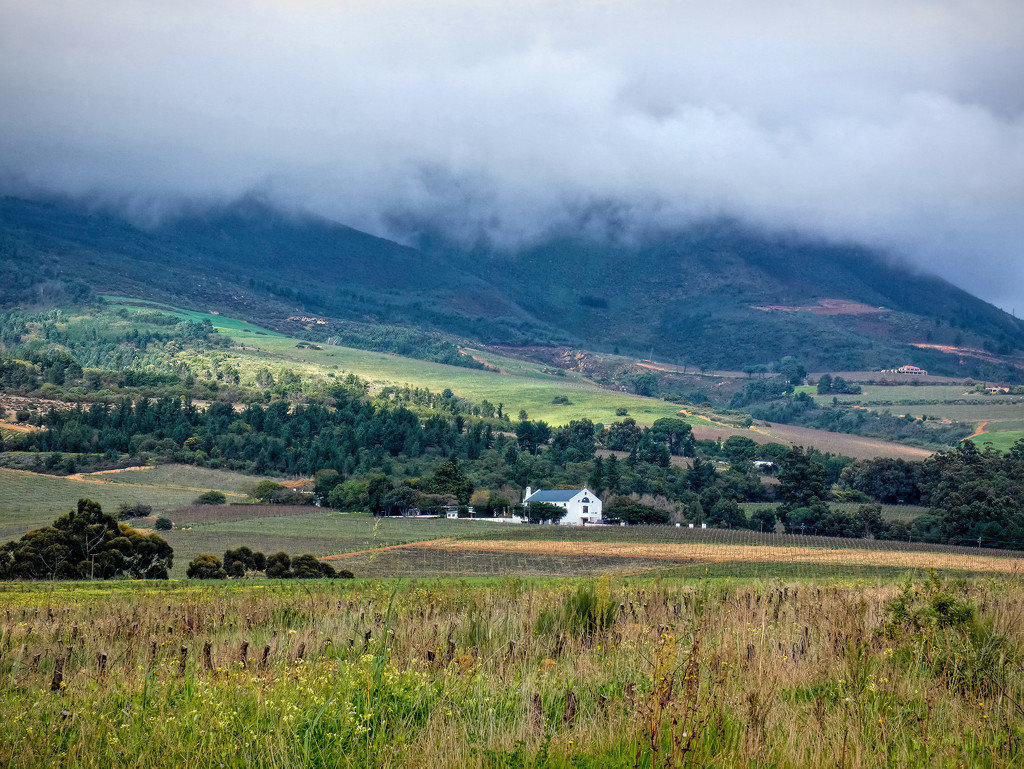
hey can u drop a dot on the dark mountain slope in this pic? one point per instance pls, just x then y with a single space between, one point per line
694 297
690 297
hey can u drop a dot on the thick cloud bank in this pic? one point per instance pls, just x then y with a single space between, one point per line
898 124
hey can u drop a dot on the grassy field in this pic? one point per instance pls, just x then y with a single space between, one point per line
1001 440
183 477
28 500
524 386
514 672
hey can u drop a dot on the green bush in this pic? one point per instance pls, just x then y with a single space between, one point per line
206 566
134 510
211 498
163 524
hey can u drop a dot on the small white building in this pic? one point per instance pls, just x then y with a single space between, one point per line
582 506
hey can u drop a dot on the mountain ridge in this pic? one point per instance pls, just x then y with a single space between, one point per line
690 296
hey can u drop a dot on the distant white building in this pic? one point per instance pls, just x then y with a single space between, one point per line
582 506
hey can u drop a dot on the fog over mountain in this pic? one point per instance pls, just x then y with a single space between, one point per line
893 124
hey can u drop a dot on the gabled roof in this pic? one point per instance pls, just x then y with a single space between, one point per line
556 495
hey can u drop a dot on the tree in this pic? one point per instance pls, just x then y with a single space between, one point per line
622 436
279 566
727 513
596 479
634 513
792 369
803 481
246 560
890 481
645 384
377 489
206 566
532 435
133 510
448 478
763 519
803 489
542 512
575 441
265 489
86 543
673 431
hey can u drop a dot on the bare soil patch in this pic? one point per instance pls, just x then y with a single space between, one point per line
827 307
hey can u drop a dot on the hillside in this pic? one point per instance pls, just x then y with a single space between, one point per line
717 296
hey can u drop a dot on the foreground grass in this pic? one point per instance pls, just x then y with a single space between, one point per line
513 673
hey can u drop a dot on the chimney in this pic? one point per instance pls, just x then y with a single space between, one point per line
526 496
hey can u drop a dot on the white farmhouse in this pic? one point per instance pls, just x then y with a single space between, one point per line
582 506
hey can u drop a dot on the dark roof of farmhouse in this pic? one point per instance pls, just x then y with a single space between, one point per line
555 495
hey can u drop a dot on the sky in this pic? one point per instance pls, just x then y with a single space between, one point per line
897 124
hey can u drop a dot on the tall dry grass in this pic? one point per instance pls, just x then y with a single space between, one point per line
513 673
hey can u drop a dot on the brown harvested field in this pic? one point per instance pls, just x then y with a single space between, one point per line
720 553
855 446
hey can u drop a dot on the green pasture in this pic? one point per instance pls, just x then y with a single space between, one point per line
185 477
219 322
1001 440
28 501
524 386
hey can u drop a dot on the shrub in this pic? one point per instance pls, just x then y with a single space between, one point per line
279 566
163 524
249 560
308 567
211 498
205 566
134 510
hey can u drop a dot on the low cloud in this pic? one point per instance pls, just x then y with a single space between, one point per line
898 125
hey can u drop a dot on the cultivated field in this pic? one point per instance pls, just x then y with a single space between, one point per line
1000 417
514 673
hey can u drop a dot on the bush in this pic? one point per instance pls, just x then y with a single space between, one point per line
164 524
248 560
133 510
279 566
211 498
206 566
308 567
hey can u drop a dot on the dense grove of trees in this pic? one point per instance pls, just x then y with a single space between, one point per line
86 543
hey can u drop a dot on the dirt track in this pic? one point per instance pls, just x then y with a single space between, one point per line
721 553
